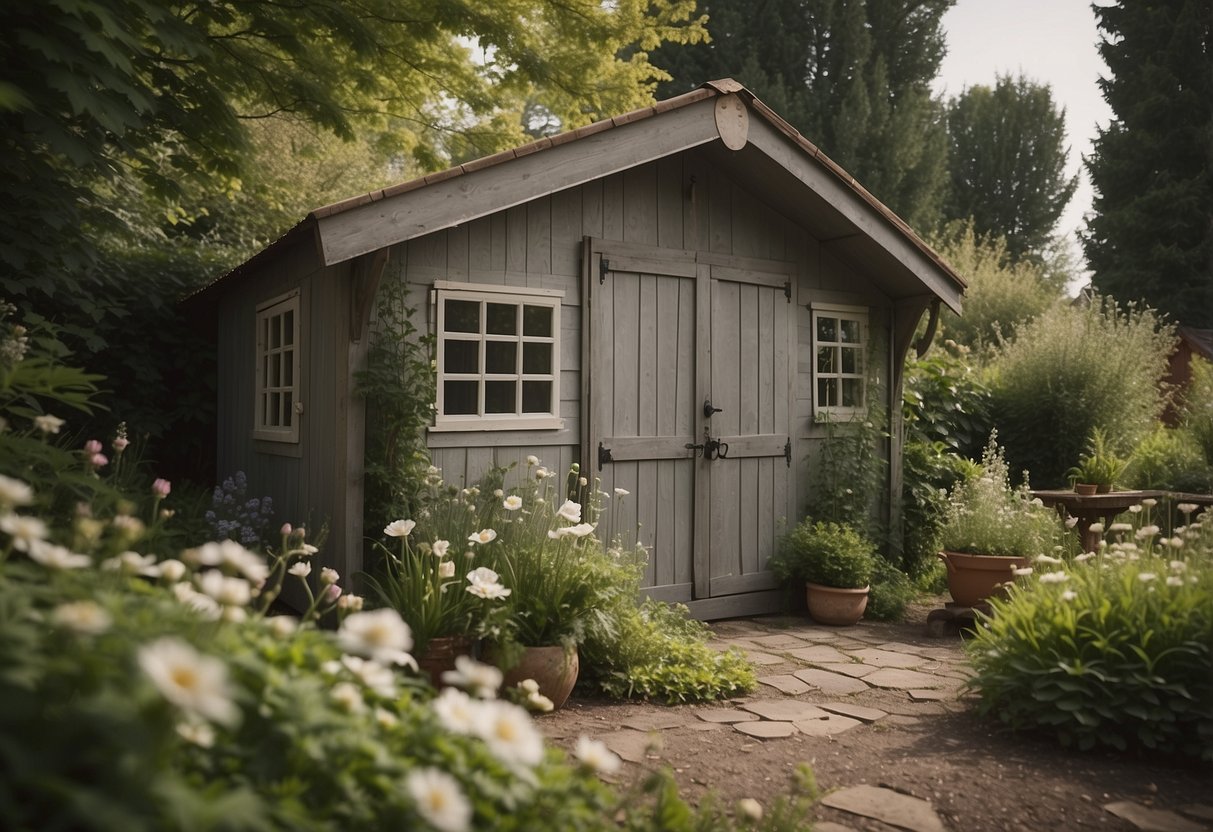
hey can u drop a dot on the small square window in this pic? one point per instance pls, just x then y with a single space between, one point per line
839 386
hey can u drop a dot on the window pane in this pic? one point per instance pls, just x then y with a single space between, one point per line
825 360
852 392
537 397
850 331
288 327
275 370
288 410
288 368
502 319
536 358
271 413
499 397
537 320
461 356
265 409
501 357
459 398
827 329
263 344
827 392
462 316
275 332
850 360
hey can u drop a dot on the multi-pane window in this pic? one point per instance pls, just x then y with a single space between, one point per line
838 348
277 373
498 359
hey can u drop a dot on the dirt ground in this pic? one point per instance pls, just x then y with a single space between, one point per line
975 776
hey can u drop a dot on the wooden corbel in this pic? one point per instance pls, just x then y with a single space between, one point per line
924 343
365 273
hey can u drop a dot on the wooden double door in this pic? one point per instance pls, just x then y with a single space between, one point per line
688 391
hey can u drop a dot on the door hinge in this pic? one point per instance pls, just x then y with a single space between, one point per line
604 456
604 266
787 452
787 290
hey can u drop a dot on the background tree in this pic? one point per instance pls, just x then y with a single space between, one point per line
1006 163
853 76
1150 237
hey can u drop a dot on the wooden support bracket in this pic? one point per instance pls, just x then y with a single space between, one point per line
365 273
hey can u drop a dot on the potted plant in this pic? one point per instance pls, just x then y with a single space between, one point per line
992 529
835 562
1099 468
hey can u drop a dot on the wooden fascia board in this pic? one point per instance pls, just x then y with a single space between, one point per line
854 209
465 197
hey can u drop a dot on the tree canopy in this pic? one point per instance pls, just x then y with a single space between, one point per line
1150 236
853 76
1007 159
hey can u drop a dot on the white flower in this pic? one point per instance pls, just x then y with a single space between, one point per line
491 592
1120 527
381 635
1047 559
595 756
193 600
483 575
199 733
48 423
446 569
1176 543
583 482
1186 508
1174 580
532 461
196 683
84 618
348 697
508 732
1146 531
528 686
385 718
300 569
580 530
172 570
399 528
542 473
456 710
622 492
282 625
1084 557
482 680
539 702
133 563
1095 528
376 677
231 592
24 530
439 800
570 511
1069 595
1146 577
482 536
350 602
1177 566
1027 570
1149 502
57 557
230 554
15 492
512 503
328 576
440 548
1054 578
1134 509
1071 522
750 807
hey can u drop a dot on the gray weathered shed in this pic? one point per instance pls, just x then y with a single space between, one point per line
597 296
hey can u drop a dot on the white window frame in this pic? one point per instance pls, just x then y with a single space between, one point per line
510 295
840 312
267 313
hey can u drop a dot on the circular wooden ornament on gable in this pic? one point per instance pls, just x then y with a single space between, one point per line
732 121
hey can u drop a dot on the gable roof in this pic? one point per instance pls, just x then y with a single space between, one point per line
786 168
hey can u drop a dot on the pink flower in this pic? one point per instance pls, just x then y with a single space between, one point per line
286 529
331 593
92 447
161 488
120 444
99 460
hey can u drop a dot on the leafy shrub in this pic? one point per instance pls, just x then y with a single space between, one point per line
1170 459
891 592
1099 464
234 515
846 475
1074 369
830 554
1198 408
1115 651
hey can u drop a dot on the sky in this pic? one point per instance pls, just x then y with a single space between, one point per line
1049 41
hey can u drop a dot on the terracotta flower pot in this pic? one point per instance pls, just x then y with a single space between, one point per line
831 605
440 655
1085 488
976 578
553 668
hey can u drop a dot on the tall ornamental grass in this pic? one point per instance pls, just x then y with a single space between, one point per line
1074 369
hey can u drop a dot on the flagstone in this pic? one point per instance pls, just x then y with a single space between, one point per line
1152 820
785 684
632 746
725 715
828 682
886 805
891 677
766 730
854 669
888 658
763 659
827 726
784 709
655 721
818 654
861 712
932 695
777 641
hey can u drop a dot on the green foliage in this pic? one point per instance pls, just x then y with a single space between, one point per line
1074 369
1099 464
659 807
847 472
1003 292
854 76
1007 160
891 592
831 554
987 517
1148 237
654 650
1169 459
1116 652
1198 408
398 385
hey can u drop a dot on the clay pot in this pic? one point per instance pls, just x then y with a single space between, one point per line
831 605
440 655
553 668
976 578
1085 488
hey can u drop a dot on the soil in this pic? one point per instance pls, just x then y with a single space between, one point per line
976 776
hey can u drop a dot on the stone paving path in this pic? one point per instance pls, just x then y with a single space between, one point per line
817 681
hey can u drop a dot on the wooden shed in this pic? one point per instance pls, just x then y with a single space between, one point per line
619 295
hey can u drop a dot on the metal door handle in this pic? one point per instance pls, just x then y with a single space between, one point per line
715 449
708 410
